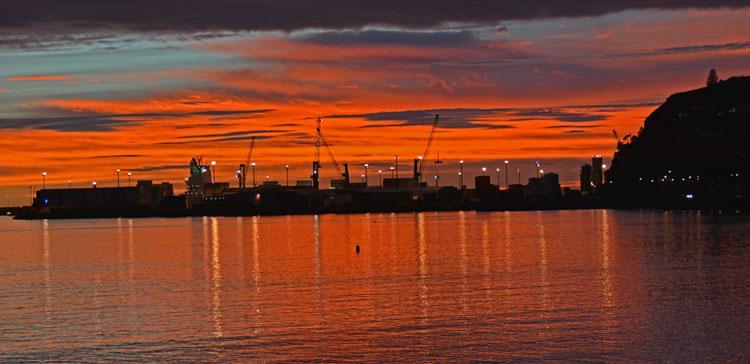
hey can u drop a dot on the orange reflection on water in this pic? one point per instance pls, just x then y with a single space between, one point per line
596 285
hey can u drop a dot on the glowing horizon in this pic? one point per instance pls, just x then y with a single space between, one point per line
522 90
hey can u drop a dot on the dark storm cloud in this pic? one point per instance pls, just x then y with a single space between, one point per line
230 134
699 48
472 118
199 140
106 122
201 15
418 38
554 114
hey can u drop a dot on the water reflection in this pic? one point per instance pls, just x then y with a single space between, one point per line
216 314
531 286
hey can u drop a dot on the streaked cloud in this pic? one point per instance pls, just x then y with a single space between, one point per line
287 15
39 78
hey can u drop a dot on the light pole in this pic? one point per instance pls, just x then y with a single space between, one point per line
506 173
484 171
287 175
419 180
93 184
268 178
253 165
461 174
380 178
538 164
498 177
44 180
392 170
129 175
118 177
366 175
397 169
363 178
213 172
518 171
70 184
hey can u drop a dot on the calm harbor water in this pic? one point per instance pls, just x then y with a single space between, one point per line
454 286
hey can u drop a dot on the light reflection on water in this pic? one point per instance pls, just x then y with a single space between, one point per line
593 285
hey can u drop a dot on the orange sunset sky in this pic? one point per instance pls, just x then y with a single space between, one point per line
80 101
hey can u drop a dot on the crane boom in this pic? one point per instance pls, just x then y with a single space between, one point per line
427 148
243 167
330 154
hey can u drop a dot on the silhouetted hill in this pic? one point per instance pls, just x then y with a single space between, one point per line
699 135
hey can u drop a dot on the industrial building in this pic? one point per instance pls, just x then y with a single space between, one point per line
144 194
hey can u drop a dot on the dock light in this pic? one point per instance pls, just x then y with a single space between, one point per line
506 173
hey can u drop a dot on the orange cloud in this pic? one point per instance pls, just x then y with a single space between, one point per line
39 78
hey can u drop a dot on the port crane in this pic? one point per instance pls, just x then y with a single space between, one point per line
427 150
242 173
321 140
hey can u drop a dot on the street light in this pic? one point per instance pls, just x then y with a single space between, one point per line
93 184
366 175
213 172
129 175
506 173
253 165
396 167
484 171
419 182
118 177
70 184
268 178
461 174
380 177
44 180
363 177
498 177
392 169
287 175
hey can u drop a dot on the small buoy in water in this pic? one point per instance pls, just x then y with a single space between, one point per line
357 248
